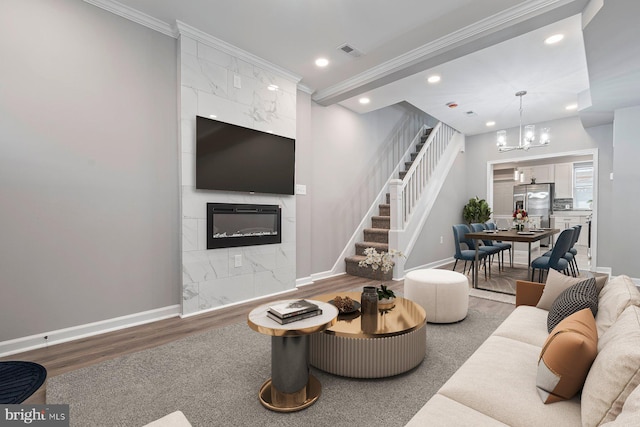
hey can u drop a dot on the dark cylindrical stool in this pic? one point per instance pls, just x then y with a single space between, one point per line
22 382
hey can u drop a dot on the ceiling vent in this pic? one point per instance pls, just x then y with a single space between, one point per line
350 50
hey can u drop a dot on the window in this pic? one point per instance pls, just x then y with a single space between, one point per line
582 185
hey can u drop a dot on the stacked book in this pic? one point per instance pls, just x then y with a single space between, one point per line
291 311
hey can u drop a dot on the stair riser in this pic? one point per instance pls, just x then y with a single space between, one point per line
384 223
355 270
380 247
376 237
384 210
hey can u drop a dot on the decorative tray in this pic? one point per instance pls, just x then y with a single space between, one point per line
356 307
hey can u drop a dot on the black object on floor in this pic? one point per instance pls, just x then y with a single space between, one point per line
19 380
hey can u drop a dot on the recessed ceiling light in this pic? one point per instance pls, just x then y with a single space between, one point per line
571 107
213 116
554 38
322 62
491 123
272 87
434 79
364 100
452 104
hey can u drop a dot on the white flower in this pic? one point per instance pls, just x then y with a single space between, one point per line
382 260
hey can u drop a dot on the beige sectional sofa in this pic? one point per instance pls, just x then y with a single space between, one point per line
496 386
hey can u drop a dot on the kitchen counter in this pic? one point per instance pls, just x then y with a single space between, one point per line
575 212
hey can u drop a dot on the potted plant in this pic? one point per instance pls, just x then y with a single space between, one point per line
383 263
385 295
476 210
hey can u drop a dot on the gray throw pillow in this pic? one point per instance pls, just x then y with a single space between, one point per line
575 298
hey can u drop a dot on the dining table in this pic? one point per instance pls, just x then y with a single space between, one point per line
510 235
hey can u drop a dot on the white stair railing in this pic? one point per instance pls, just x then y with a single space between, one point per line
417 191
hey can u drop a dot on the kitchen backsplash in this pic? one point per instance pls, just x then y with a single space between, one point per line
562 204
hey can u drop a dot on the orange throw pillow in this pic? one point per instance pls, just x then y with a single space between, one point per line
566 357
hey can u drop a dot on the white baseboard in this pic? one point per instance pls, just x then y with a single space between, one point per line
434 264
303 281
59 336
326 275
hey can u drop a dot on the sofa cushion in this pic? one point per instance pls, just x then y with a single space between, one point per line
630 414
573 299
617 295
566 357
615 372
442 411
498 380
527 324
556 283
174 419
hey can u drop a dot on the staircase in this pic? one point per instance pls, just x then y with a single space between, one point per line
378 235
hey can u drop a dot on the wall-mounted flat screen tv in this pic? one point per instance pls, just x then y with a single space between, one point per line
235 158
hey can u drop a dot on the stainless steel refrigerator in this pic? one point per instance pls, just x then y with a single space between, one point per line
537 200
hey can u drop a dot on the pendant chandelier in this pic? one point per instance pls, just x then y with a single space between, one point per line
527 137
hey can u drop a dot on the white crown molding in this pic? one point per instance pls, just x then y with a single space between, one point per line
209 40
135 16
471 32
306 89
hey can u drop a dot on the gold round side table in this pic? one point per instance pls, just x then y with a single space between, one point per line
291 386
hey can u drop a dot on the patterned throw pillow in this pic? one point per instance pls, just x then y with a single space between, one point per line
574 298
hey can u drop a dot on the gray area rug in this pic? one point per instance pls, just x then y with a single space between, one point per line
214 378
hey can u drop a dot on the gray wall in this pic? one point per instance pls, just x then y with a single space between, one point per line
88 167
353 156
626 184
567 135
304 167
446 211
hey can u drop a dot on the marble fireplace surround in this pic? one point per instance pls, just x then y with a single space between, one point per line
222 80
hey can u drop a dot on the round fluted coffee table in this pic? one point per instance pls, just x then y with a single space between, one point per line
395 343
291 387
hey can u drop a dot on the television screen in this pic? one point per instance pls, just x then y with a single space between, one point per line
235 158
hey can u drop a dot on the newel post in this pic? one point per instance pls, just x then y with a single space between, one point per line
397 225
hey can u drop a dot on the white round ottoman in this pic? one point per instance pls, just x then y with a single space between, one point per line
444 294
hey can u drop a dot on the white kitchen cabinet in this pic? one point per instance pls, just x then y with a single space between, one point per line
503 197
563 222
583 240
564 180
542 174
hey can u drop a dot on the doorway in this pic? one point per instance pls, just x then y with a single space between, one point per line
504 174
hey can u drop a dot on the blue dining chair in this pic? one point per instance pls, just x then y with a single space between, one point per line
572 252
486 246
573 249
556 259
469 254
503 246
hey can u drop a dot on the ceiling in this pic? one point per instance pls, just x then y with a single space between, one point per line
485 51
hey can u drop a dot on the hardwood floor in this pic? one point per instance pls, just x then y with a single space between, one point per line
65 357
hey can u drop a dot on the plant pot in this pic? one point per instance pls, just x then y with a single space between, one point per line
386 301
